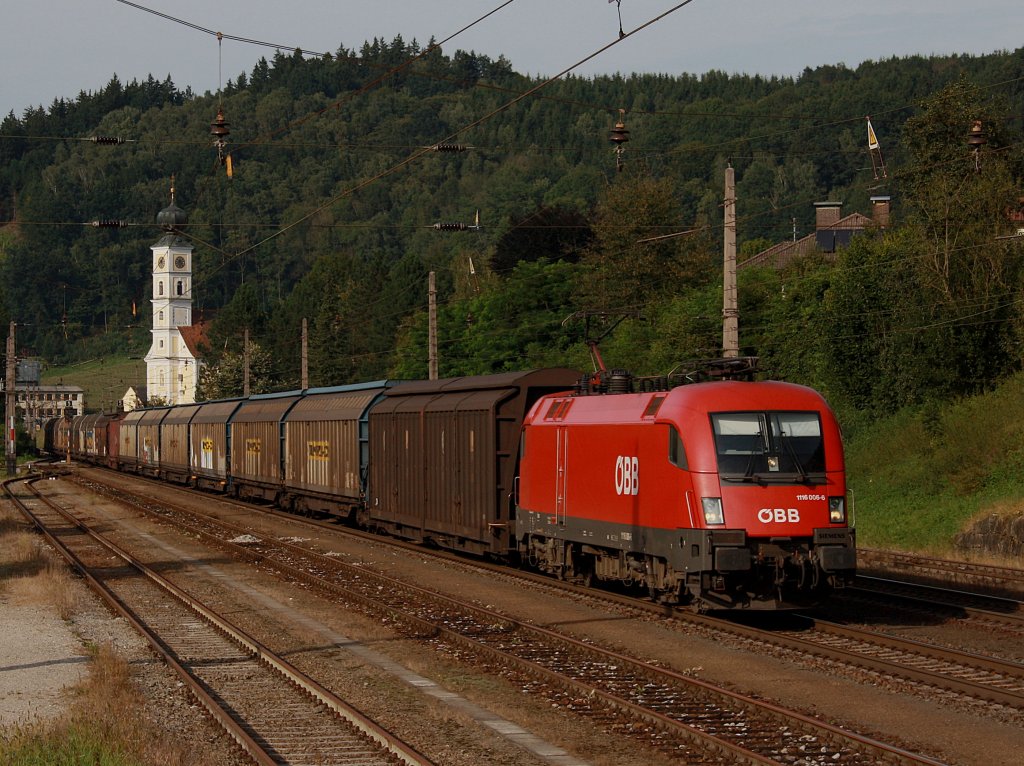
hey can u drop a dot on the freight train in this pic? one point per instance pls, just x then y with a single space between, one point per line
722 493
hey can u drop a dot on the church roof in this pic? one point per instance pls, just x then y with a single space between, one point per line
195 337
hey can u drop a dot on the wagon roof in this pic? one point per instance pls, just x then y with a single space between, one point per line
153 417
217 411
265 408
181 415
373 384
134 417
553 377
334 404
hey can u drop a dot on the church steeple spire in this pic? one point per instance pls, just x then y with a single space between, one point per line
171 217
171 368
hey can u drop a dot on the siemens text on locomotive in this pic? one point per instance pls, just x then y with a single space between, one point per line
720 494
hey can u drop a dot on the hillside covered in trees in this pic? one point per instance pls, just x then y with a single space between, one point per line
329 216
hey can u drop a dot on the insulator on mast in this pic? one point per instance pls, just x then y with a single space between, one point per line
619 136
459 226
219 130
976 139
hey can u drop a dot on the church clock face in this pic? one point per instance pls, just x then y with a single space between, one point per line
179 262
160 262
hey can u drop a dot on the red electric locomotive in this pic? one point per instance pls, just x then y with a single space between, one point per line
720 494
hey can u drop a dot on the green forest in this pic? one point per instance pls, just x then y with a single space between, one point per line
356 175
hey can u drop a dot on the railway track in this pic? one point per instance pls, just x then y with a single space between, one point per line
995 580
992 680
676 714
274 712
929 601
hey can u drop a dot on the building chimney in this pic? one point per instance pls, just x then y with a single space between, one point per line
826 214
880 212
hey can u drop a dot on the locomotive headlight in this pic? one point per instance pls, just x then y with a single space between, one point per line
712 510
837 510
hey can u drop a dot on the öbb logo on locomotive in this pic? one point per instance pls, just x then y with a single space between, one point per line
627 475
779 515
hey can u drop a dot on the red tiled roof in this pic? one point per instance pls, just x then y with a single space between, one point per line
195 337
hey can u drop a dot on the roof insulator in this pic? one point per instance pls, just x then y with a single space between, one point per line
219 127
619 134
976 137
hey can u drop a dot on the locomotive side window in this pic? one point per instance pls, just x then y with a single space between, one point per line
676 452
763 446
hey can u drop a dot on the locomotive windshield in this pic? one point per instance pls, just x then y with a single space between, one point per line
769 446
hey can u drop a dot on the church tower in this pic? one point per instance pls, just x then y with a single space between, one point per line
171 366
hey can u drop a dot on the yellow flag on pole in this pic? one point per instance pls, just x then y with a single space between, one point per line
872 138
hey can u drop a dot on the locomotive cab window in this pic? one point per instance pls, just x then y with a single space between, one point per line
676 452
769 446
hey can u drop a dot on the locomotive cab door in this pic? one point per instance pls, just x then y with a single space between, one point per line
561 470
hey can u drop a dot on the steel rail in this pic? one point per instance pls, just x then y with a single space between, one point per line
369 728
883 751
1008 612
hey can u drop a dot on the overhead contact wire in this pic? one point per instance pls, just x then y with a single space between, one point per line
415 156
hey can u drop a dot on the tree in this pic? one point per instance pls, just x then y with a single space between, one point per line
628 268
957 196
554 233
226 378
514 324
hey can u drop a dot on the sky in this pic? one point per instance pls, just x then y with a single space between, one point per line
53 49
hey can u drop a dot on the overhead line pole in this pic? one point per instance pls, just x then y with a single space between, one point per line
12 371
730 304
432 330
245 364
305 355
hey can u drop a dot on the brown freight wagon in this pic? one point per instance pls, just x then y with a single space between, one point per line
256 445
63 437
76 437
208 437
174 448
83 445
326 444
128 441
94 437
149 440
443 456
112 439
